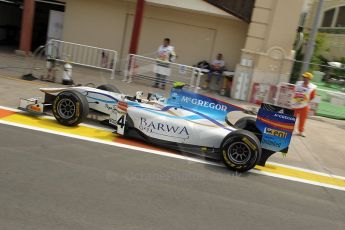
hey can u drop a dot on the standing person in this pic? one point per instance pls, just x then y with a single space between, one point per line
304 93
165 54
217 68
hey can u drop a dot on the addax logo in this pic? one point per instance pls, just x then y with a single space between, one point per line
276 133
285 117
163 129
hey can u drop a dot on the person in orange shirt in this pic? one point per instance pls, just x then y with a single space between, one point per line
304 92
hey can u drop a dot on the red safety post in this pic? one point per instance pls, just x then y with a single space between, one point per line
137 26
27 24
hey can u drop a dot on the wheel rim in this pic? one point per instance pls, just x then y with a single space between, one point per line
66 108
239 152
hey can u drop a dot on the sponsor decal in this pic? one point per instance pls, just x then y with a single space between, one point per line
274 132
109 107
164 129
122 106
211 107
250 144
203 103
77 112
276 129
225 156
35 108
285 117
271 142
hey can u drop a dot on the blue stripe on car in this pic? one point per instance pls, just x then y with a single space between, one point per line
105 101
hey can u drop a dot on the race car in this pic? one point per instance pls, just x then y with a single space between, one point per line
185 121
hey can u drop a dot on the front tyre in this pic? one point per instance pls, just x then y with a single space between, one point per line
240 150
70 108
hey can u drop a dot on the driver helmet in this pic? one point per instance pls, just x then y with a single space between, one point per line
139 95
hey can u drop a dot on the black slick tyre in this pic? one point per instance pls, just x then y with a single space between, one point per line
240 150
70 108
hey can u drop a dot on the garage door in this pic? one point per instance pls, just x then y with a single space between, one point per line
192 43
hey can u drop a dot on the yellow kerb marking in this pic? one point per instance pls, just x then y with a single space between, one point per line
301 175
55 126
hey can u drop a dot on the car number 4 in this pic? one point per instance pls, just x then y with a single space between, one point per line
120 123
119 120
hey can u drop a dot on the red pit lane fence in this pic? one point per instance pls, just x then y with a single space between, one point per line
144 70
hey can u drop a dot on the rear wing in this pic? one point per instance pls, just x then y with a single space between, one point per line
276 125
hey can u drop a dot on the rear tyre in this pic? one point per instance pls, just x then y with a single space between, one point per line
109 88
249 123
70 108
240 150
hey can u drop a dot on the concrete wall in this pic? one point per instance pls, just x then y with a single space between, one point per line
196 36
97 23
268 53
328 4
336 42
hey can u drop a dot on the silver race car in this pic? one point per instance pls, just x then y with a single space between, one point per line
186 121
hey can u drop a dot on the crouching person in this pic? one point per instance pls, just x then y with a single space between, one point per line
216 69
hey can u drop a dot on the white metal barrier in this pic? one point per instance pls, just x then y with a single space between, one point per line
327 103
285 92
284 95
146 69
83 55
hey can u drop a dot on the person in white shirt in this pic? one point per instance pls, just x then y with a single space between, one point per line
165 54
217 68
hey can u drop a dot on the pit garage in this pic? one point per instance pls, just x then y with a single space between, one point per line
47 22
